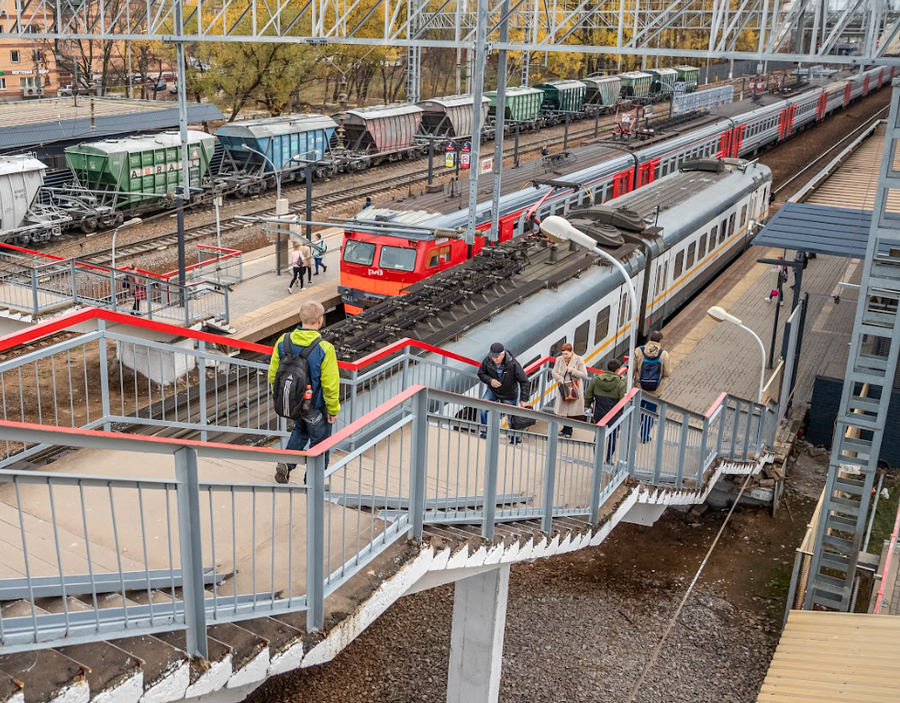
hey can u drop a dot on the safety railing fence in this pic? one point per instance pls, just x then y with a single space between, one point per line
279 548
218 264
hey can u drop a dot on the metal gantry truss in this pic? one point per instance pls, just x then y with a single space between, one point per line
797 30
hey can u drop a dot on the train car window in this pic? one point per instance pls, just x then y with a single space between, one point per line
679 266
357 252
701 247
731 225
601 329
690 254
438 256
659 281
723 231
580 342
397 258
556 347
743 216
623 310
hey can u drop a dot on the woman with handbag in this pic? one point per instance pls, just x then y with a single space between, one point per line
569 373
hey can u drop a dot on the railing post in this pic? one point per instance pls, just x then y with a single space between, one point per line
682 450
491 459
418 463
227 309
443 385
34 293
113 289
660 441
550 476
404 374
189 531
704 448
597 476
734 428
746 449
104 376
315 542
201 347
183 294
73 274
721 434
634 431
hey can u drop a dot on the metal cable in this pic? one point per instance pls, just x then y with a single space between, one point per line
654 655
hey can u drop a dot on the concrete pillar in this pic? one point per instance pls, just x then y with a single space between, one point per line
476 641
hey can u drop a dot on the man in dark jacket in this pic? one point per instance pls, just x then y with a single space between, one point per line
605 391
505 380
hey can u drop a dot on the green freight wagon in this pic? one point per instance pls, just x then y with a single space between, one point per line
663 81
563 96
522 104
688 75
137 171
603 90
636 85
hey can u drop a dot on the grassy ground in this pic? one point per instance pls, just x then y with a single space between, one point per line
886 514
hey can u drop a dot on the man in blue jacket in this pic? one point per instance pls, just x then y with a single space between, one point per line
505 380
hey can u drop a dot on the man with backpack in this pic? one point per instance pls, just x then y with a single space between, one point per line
305 381
505 380
651 366
603 394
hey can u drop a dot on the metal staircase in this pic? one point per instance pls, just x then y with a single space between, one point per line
868 385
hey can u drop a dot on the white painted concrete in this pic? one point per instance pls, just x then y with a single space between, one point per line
171 687
212 680
476 640
129 691
644 514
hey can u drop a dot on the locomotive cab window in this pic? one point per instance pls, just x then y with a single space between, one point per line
357 252
397 258
679 266
580 343
602 327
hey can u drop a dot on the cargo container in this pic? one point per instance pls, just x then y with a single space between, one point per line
375 133
279 138
688 75
22 218
636 85
522 104
602 90
563 96
663 83
451 116
134 172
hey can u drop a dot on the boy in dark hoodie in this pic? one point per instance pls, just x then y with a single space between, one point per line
603 392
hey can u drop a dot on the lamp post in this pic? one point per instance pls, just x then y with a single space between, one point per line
309 170
559 229
125 225
720 315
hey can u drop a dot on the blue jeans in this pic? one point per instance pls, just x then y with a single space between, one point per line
318 260
489 395
647 421
313 434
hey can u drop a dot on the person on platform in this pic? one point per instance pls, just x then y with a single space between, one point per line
296 267
569 372
652 366
306 261
505 380
368 202
319 252
324 379
137 287
603 393
545 151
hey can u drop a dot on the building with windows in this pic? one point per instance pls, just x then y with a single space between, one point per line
27 66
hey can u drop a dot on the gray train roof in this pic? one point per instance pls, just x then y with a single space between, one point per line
516 90
635 74
143 143
380 112
275 126
562 85
663 71
24 124
450 101
598 80
19 164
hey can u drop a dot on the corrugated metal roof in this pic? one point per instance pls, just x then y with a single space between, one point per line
450 101
824 657
39 122
379 112
140 143
273 126
599 80
814 228
19 164
635 74
516 90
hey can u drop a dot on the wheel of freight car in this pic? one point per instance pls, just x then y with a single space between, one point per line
241 192
117 219
22 240
89 224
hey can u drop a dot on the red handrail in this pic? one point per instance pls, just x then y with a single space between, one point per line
618 407
879 597
715 405
229 253
81 264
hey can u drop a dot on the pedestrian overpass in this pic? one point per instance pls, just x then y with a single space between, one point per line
148 554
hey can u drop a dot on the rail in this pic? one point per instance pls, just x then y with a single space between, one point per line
34 284
892 548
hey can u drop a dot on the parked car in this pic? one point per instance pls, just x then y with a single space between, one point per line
66 91
173 87
158 85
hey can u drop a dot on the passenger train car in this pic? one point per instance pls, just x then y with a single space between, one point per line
673 236
367 281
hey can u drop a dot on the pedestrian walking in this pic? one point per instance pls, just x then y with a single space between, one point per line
306 261
602 394
569 372
305 381
779 277
319 249
651 366
296 267
505 380
137 288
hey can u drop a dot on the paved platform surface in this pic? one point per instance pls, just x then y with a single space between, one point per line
710 358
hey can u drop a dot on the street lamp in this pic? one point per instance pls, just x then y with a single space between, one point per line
125 225
720 315
309 171
559 229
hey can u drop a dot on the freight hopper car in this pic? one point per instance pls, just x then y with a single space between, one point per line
23 219
673 237
602 92
373 135
562 98
690 76
522 105
451 117
284 141
116 178
612 175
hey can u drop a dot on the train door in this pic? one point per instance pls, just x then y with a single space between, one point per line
865 91
820 107
847 89
658 293
738 139
620 183
724 145
647 172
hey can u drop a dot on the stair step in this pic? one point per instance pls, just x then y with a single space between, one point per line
844 505
157 658
849 486
844 546
45 674
245 645
839 522
830 583
827 600
217 651
106 666
834 561
9 689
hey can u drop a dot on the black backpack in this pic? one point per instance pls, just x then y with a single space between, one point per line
291 380
651 371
